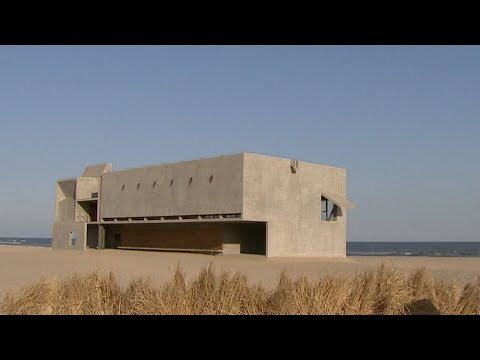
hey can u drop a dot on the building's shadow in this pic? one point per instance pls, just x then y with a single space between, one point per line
422 307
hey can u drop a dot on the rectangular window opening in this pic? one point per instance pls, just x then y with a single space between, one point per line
232 215
154 218
213 216
73 238
328 210
189 217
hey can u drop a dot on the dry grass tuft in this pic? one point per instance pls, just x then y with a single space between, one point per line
384 291
94 293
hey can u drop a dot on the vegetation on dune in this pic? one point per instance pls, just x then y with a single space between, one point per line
384 291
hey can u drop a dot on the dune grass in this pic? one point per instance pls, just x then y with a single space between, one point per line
384 291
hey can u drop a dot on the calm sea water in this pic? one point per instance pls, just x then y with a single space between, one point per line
47 242
461 249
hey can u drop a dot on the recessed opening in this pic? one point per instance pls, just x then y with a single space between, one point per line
171 182
123 187
117 239
210 178
232 215
154 184
87 211
213 216
92 237
190 236
138 186
154 218
73 238
190 181
328 210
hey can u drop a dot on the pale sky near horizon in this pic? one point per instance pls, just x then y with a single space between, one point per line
403 120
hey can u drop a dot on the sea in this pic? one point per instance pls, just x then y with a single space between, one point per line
451 249
46 242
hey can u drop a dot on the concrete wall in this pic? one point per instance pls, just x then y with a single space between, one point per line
64 221
70 216
291 204
224 194
61 235
65 200
86 186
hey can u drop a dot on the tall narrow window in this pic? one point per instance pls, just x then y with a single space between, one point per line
73 238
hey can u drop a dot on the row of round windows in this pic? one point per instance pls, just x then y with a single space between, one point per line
154 184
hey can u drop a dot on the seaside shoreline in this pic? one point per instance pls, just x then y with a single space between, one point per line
23 265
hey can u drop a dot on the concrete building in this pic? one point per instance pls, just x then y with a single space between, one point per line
242 203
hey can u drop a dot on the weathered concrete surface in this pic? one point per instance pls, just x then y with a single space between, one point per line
291 204
65 200
64 217
148 192
61 235
86 186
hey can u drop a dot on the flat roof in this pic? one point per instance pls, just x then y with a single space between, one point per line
209 158
220 156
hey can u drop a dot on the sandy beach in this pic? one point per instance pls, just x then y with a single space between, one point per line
21 265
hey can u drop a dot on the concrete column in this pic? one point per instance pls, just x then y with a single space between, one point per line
101 237
85 228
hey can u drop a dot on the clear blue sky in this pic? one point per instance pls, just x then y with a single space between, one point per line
403 120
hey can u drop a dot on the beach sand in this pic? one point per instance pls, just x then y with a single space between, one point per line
22 265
